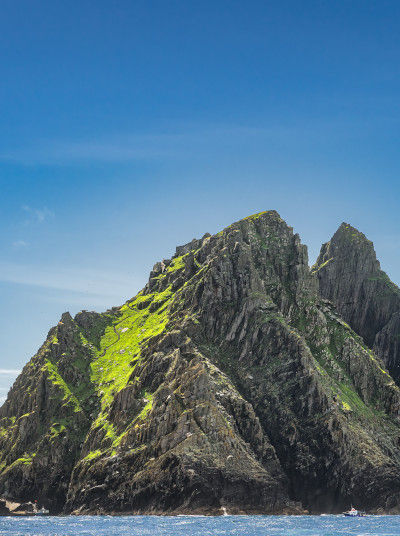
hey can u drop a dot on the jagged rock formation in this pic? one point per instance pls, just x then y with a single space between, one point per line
226 383
350 276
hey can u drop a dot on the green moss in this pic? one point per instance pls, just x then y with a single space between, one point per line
120 347
109 431
346 406
104 359
257 215
25 460
142 416
196 262
92 455
58 428
316 268
25 415
342 386
146 410
329 362
95 332
66 394
351 399
177 264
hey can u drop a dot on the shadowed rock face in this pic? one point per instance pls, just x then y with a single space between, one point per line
227 382
350 276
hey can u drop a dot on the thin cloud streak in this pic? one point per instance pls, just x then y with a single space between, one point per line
9 372
20 244
83 281
38 215
187 143
131 147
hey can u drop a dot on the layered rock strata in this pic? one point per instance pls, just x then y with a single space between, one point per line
350 275
226 383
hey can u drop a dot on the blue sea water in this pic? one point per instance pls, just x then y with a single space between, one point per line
200 526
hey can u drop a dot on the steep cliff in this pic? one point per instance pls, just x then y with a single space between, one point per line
227 382
350 276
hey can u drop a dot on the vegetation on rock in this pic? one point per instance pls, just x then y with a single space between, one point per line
227 382
350 276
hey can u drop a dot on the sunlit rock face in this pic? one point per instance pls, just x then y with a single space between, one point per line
350 276
227 384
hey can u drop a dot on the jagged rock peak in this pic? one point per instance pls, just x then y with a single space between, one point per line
348 242
350 276
226 383
266 216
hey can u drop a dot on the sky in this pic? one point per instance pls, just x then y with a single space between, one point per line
130 127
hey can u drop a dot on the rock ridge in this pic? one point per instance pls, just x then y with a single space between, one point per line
227 384
350 276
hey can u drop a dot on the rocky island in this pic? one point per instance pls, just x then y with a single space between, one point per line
239 379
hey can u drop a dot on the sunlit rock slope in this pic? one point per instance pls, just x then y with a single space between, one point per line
226 383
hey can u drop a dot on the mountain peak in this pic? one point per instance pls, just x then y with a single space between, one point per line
351 234
226 383
348 249
350 276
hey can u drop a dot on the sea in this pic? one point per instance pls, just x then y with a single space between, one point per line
328 525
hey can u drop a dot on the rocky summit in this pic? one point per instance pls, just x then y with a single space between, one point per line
350 276
237 380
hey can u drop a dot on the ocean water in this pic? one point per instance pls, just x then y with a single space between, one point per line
200 526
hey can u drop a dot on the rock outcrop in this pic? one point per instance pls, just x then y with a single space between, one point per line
4 510
350 276
226 383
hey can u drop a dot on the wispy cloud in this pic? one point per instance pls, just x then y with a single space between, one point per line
85 281
38 215
187 142
9 372
184 141
20 244
115 149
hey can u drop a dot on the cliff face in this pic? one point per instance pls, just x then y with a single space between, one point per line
350 276
48 413
226 383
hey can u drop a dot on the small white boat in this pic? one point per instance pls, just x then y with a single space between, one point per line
354 513
42 512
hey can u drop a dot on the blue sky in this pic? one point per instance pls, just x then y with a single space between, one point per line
129 127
